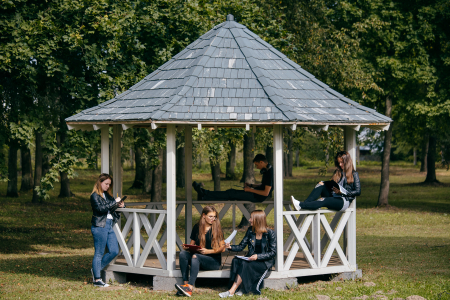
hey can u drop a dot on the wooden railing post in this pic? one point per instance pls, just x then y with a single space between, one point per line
188 186
171 198
278 193
350 230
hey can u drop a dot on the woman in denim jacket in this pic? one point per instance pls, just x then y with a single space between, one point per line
247 275
103 219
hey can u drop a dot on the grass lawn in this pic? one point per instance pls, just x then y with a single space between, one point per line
46 250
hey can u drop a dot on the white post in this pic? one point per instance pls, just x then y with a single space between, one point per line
350 230
117 163
136 238
188 177
315 239
171 199
105 149
278 193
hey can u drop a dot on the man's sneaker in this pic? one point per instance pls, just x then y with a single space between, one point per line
225 294
100 283
185 289
295 203
93 278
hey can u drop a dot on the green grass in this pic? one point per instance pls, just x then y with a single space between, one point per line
46 250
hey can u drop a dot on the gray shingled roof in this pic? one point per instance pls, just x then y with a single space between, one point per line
230 74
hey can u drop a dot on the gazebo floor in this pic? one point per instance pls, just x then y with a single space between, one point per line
298 263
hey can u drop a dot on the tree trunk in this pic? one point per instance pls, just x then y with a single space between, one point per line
27 179
248 175
285 162
269 154
384 186
297 157
415 156
215 173
12 170
164 167
180 164
290 154
65 181
157 181
231 163
199 161
147 188
110 155
37 167
431 161
131 158
423 162
139 175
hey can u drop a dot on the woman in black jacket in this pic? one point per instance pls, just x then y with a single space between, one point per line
104 217
345 176
247 275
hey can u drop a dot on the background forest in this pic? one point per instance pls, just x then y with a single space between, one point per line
58 58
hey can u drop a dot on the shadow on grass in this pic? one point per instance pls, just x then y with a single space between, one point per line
71 267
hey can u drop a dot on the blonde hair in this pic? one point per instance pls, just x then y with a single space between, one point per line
98 185
216 228
259 221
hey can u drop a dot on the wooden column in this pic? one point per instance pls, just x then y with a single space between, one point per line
350 230
105 149
278 193
188 178
171 199
117 162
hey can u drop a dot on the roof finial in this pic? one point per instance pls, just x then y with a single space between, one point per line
230 17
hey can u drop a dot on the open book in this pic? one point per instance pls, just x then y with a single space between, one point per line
330 184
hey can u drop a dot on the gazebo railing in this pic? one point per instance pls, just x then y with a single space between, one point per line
136 219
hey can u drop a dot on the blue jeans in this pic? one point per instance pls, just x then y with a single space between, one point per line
103 236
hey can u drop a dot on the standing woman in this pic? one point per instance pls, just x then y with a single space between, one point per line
207 234
104 217
345 176
249 274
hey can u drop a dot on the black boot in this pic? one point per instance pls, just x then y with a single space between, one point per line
198 188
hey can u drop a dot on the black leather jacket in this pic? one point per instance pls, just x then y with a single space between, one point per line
353 189
268 245
100 209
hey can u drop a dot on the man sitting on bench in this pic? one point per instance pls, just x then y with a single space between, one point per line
251 192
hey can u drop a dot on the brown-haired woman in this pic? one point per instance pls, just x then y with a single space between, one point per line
345 176
103 219
207 234
247 275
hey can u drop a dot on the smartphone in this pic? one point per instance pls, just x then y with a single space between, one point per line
123 198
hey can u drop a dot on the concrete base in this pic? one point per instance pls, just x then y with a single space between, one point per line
113 276
280 283
348 275
161 283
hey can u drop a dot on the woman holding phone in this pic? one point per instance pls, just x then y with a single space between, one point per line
207 234
103 219
345 176
247 275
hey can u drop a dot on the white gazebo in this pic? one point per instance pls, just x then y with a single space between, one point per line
228 78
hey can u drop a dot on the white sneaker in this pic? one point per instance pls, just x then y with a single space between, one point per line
295 203
225 294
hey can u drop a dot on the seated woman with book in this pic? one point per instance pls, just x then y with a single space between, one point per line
247 273
208 235
338 193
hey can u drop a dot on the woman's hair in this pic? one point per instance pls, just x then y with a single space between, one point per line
348 167
216 229
259 221
98 185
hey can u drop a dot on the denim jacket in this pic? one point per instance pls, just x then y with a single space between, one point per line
100 208
268 245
